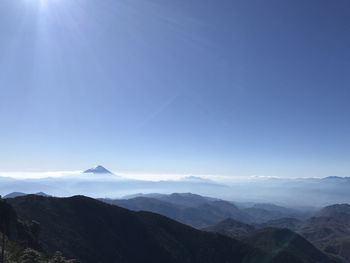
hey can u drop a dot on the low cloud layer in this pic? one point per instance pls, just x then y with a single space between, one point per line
292 192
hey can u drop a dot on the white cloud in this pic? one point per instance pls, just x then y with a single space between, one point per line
39 175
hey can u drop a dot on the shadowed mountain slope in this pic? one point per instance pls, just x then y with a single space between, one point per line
92 231
192 210
282 243
289 223
20 233
286 246
201 211
232 228
329 230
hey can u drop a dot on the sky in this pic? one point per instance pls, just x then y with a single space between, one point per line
214 87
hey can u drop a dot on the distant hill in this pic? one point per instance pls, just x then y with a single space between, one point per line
14 194
201 211
336 178
18 194
273 207
183 199
305 192
98 170
186 199
152 195
261 213
285 222
236 229
286 246
283 244
232 228
190 209
335 210
149 204
329 230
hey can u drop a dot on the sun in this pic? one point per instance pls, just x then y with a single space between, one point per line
45 3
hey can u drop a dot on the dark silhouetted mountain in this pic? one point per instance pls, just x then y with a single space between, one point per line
286 246
189 209
232 228
21 239
23 234
92 231
42 194
329 230
98 170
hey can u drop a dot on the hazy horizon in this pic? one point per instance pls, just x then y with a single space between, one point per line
145 175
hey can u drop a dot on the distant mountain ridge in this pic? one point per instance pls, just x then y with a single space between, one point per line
286 222
329 230
307 192
286 245
18 194
334 210
336 178
187 208
232 228
201 211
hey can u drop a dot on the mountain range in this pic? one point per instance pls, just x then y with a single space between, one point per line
100 182
18 194
327 228
92 231
199 211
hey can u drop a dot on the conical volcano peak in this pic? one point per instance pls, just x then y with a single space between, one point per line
98 170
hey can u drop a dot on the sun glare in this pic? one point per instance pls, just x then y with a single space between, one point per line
43 3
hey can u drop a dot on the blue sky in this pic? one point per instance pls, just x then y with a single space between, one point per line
187 86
